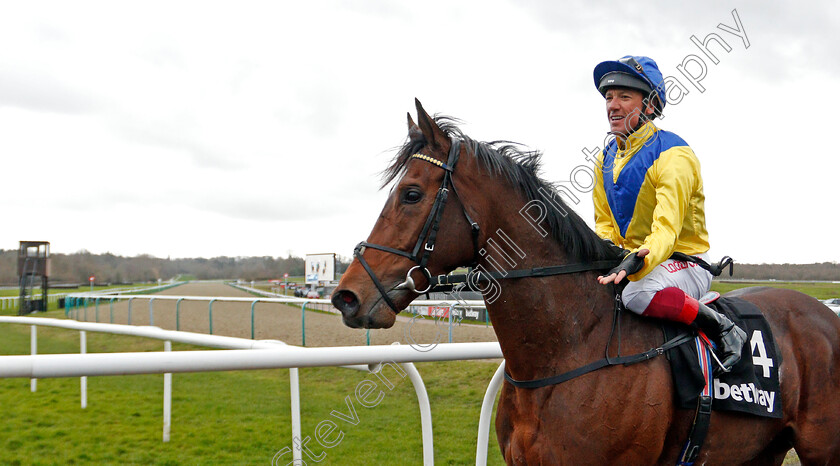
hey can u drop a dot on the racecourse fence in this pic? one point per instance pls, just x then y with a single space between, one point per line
79 305
12 303
240 354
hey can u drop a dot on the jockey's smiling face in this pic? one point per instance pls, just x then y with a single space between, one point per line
623 108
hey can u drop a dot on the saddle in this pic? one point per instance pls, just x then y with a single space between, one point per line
752 386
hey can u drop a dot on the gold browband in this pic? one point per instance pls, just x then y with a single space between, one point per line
431 160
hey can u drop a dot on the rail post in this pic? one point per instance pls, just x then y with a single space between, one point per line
451 309
167 397
425 412
303 323
129 309
86 306
178 314
253 303
96 309
151 311
294 393
210 313
111 308
83 380
33 346
486 414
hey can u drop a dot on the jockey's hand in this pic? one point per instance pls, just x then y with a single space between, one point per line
631 264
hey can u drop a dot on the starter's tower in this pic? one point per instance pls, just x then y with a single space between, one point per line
33 264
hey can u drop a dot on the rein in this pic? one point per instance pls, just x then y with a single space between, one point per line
440 281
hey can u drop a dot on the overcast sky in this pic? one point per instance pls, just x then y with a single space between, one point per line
201 129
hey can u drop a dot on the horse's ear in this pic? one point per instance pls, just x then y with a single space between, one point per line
414 133
435 137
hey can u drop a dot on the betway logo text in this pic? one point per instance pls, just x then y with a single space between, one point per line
745 392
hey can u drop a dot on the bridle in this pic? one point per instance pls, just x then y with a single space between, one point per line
428 235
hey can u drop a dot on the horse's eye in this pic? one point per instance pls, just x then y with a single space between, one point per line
411 196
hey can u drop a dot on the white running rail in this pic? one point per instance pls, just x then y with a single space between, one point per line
244 354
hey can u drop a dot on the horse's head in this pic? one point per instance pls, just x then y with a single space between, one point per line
423 229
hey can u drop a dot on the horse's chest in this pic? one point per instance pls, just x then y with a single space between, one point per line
576 427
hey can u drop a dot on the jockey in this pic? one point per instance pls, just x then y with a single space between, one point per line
648 199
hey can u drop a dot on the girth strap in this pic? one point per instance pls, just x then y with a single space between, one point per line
699 429
703 413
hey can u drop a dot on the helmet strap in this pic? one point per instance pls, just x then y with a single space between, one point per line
642 120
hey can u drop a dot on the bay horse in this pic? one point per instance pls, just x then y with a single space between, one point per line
548 325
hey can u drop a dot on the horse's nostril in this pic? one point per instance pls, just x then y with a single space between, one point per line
346 302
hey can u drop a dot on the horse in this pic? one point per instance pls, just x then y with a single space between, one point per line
497 213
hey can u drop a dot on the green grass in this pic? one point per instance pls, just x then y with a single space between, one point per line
819 290
227 417
239 417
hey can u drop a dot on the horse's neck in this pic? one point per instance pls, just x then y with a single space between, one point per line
544 325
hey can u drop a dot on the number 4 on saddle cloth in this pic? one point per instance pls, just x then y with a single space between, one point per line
752 386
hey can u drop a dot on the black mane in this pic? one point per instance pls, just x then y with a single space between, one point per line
521 169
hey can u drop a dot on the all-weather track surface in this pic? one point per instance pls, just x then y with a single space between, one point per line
273 321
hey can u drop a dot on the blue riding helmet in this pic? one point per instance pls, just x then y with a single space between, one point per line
634 72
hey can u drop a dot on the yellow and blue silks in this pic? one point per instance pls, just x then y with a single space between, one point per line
649 195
